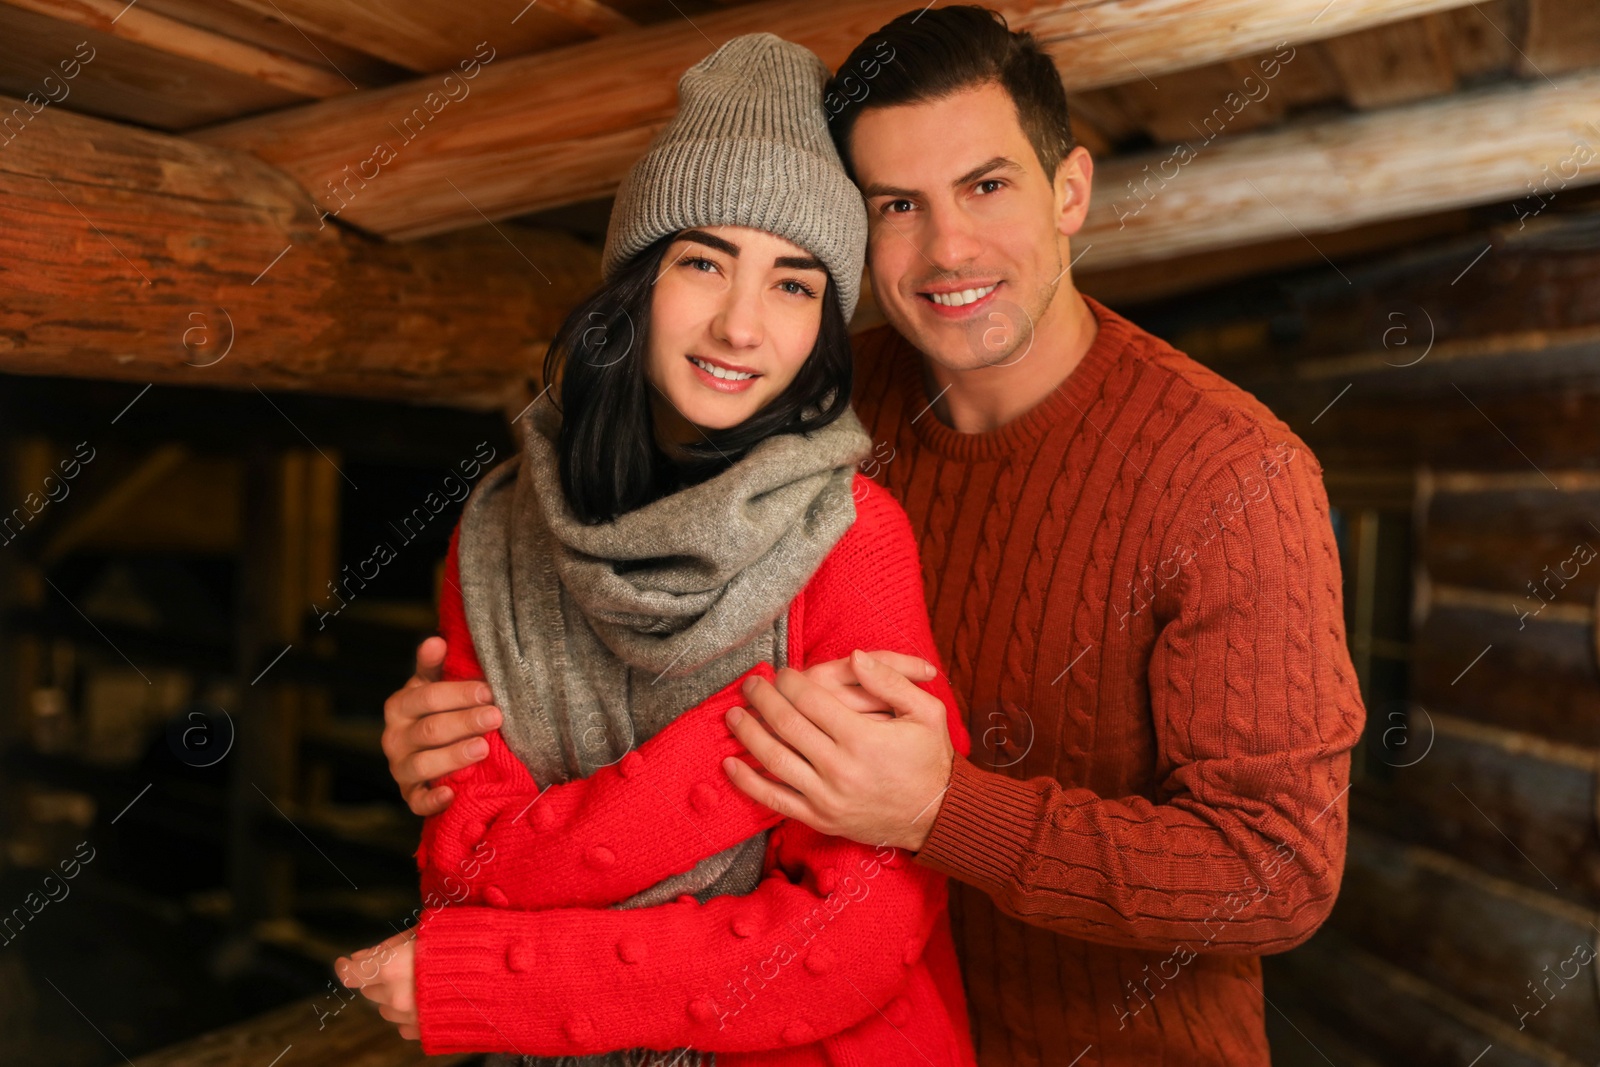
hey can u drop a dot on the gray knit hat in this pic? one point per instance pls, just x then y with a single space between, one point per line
749 146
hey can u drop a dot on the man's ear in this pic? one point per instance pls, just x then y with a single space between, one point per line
1074 182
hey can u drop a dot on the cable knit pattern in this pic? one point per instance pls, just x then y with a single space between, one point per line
841 956
1137 589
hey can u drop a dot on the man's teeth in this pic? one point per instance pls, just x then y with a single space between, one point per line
720 372
963 298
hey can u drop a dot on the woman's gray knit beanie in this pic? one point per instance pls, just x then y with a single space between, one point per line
749 146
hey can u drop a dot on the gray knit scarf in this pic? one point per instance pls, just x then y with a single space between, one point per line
594 638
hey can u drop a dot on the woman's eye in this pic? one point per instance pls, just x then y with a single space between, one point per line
790 285
699 263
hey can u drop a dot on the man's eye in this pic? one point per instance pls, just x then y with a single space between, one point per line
897 207
989 185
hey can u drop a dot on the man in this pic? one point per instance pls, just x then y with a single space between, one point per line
1133 584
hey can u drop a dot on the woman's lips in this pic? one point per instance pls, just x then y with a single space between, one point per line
721 385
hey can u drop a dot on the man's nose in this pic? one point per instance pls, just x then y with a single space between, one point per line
952 238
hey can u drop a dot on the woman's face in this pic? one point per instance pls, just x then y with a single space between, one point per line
733 316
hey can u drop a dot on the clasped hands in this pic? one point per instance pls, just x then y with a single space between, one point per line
851 747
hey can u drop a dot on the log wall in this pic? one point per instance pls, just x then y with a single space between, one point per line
1468 371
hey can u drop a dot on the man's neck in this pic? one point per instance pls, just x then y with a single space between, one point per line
984 399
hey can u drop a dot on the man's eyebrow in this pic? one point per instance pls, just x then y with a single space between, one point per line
799 262
997 163
879 189
876 189
702 237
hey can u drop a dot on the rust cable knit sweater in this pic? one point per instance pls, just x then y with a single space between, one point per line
1135 589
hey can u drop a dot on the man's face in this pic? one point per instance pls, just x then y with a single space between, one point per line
967 234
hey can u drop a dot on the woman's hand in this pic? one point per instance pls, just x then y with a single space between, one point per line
385 976
838 677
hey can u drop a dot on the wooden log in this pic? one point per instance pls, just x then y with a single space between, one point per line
1509 430
1409 1019
1538 674
1504 949
1561 35
350 1034
94 73
559 127
1312 177
1511 804
140 257
1396 64
1479 45
421 35
1507 534
177 38
1510 287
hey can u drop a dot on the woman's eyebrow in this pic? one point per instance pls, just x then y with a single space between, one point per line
799 262
718 243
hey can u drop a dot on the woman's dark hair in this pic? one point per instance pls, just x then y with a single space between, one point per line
609 460
930 53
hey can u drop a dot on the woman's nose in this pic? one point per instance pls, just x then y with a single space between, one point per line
739 322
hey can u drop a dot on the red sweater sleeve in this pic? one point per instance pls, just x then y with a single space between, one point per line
1255 708
505 843
828 937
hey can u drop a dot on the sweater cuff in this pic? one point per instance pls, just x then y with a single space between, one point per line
458 972
984 827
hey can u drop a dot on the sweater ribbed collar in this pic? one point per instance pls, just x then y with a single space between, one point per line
1065 405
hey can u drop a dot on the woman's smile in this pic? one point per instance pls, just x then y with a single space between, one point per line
722 376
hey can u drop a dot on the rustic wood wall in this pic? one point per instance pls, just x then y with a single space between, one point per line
1452 391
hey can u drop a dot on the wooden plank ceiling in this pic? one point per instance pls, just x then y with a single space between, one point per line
1310 126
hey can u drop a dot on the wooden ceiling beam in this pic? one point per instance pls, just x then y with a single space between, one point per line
432 35
562 126
1501 143
141 257
169 35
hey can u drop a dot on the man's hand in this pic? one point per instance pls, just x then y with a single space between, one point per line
386 975
431 728
872 780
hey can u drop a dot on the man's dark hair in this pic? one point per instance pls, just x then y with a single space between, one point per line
607 453
933 52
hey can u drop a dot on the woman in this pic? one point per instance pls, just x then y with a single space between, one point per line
689 515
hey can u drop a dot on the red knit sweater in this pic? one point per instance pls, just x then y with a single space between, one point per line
1135 587
841 956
